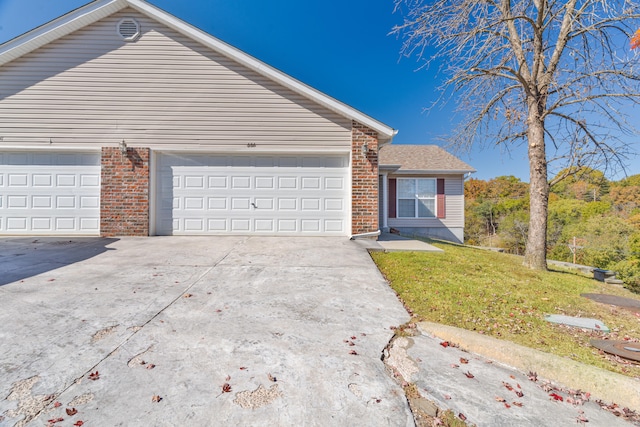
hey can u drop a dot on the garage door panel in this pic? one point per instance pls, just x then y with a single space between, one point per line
42 180
18 180
50 193
41 224
218 182
287 183
254 194
265 183
217 225
240 224
334 183
264 203
334 226
17 202
89 181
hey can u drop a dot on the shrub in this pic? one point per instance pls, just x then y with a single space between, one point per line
628 271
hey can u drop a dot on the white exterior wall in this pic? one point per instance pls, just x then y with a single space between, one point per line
454 196
163 91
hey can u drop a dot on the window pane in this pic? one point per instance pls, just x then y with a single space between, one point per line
426 187
406 208
406 189
426 208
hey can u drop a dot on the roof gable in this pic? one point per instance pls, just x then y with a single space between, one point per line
404 158
100 9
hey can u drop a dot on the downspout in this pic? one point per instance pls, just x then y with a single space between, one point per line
385 202
365 235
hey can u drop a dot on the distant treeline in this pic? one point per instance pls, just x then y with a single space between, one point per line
592 221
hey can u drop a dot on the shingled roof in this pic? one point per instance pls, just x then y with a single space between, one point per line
403 158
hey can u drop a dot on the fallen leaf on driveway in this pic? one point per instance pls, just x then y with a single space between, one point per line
226 388
353 352
445 344
272 378
57 404
556 397
71 411
462 416
156 398
464 361
150 366
518 404
187 295
55 420
94 376
469 374
78 423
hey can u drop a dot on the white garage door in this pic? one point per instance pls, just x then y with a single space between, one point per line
49 193
295 195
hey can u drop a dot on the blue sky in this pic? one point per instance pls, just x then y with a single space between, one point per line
340 47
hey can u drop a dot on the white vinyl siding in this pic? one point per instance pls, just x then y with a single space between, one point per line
454 196
49 193
163 91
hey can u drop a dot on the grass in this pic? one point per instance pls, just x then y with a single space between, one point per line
493 294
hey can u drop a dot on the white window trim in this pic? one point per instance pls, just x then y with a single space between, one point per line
416 198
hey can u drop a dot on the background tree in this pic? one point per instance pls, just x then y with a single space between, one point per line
541 71
635 40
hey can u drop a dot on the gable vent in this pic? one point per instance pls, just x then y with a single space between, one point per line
129 29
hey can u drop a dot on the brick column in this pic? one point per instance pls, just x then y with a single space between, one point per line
124 193
364 190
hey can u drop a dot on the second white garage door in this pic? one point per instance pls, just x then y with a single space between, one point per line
49 193
292 195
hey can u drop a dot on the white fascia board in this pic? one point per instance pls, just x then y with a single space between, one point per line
386 133
59 27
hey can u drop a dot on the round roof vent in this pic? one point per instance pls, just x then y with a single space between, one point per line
128 29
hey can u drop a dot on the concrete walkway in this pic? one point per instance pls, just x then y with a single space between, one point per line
491 382
388 242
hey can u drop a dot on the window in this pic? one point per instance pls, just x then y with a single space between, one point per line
417 198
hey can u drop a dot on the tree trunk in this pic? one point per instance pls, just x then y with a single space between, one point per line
535 256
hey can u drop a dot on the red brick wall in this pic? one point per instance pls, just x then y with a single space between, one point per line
364 191
124 193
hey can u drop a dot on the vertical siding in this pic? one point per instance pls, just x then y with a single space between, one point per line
454 193
163 90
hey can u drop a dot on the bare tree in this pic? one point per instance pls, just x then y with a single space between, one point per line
556 74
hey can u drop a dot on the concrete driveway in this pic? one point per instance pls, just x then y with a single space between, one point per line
195 331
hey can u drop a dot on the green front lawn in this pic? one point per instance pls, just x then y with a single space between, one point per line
492 293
